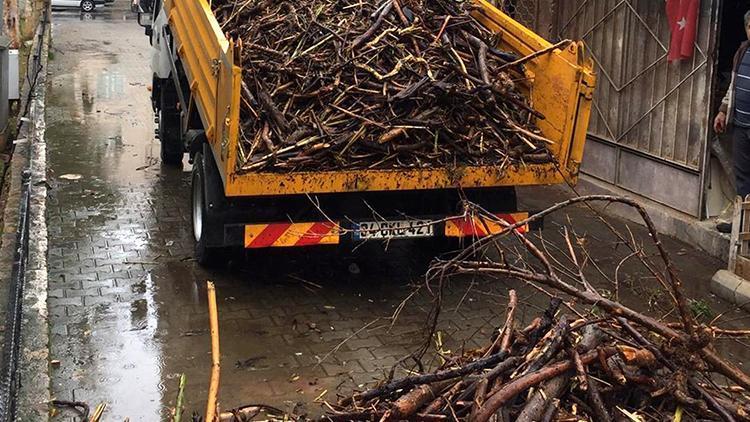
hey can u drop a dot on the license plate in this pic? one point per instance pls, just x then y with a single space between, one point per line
394 229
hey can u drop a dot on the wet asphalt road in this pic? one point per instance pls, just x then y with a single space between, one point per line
127 304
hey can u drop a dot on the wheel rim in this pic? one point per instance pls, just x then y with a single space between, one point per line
197 210
87 6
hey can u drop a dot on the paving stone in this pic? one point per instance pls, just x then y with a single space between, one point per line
56 293
95 300
115 290
59 329
92 291
97 283
67 301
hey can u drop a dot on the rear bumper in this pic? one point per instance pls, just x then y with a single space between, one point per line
334 217
275 235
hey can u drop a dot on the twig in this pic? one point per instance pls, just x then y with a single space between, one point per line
338 346
535 54
427 379
379 21
180 399
79 406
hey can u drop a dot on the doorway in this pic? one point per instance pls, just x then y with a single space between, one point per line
720 188
731 35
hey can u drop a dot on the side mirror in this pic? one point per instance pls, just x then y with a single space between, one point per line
144 19
144 9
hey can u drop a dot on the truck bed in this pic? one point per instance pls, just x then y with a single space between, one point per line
560 87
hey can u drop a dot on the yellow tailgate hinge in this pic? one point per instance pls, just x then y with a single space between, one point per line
225 135
587 92
574 167
588 85
215 64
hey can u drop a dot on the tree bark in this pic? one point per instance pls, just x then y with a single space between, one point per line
511 389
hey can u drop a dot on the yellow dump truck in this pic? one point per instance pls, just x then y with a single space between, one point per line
196 95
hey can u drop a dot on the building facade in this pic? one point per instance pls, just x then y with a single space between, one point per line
651 126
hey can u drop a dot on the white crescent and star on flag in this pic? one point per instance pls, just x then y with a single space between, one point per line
682 23
682 17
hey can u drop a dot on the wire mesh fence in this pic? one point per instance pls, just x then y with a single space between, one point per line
524 11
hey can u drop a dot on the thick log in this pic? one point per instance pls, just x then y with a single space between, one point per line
479 396
596 402
540 401
408 404
548 393
510 319
408 382
440 402
549 349
376 416
511 389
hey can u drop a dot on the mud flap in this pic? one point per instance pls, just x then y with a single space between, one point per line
216 202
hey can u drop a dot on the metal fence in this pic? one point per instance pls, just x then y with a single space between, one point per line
524 11
537 15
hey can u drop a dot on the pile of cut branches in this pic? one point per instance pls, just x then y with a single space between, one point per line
587 357
346 84
558 368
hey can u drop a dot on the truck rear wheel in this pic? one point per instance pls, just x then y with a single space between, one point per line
169 124
202 220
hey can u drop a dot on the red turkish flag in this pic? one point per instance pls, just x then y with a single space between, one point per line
682 16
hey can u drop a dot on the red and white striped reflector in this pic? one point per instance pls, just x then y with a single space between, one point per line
291 234
480 227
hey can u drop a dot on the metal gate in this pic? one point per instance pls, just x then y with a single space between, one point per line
651 119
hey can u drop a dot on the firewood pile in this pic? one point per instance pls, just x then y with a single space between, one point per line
571 363
587 357
346 84
558 368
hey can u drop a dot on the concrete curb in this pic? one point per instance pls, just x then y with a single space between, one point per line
701 234
34 382
732 288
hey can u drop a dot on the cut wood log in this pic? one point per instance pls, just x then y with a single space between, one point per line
511 389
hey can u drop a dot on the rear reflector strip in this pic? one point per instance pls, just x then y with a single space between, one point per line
275 235
291 234
481 227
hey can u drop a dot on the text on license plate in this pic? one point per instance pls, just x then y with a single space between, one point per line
394 229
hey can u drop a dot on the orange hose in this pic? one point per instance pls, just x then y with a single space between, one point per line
212 407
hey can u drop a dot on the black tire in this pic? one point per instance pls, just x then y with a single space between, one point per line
88 6
202 221
169 125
